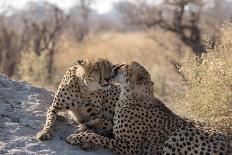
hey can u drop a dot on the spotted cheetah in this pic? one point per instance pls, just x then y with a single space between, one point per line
78 94
144 125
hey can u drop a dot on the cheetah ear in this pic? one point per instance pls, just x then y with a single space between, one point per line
80 62
141 79
152 83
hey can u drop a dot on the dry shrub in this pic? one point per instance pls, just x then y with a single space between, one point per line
155 49
31 67
209 95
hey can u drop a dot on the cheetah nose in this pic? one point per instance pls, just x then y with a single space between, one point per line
81 121
107 79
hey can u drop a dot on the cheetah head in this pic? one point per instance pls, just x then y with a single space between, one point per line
132 75
96 73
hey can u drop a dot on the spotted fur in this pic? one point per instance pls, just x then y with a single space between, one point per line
144 125
92 108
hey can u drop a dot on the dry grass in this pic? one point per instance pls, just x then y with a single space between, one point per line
153 49
209 96
31 67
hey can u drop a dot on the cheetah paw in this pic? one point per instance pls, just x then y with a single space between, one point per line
81 128
72 139
86 146
44 135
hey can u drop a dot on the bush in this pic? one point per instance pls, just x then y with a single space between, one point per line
154 49
31 67
209 79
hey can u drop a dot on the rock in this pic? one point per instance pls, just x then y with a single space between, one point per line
22 114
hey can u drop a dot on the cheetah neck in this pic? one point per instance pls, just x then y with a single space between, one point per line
131 91
84 88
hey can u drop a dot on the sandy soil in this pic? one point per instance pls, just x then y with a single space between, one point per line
22 113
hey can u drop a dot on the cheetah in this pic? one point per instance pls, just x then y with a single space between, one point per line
144 125
78 94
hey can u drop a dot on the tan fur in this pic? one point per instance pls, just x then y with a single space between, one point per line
87 106
144 125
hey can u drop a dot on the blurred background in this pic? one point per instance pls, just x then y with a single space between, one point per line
185 44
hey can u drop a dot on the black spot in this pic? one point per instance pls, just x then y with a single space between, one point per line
93 114
53 112
191 138
90 109
174 139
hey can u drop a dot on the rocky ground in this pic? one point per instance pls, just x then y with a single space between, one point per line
22 113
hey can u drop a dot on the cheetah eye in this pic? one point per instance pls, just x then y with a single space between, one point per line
93 72
93 114
107 79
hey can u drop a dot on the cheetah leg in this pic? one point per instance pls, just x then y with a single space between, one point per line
117 146
98 125
85 126
101 126
46 133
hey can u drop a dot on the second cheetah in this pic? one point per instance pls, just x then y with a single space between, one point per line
144 125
